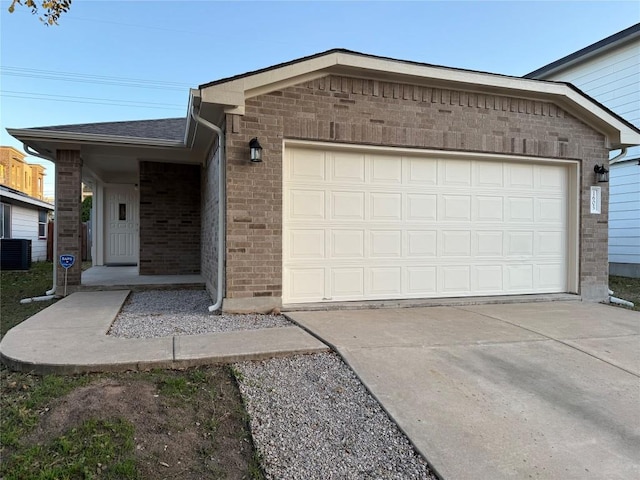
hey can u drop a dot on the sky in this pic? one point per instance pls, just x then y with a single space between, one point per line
134 60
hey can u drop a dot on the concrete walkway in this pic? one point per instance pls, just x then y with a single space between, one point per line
544 390
70 337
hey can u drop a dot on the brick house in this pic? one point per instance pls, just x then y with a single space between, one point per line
380 179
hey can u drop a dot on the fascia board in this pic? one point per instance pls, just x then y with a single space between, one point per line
26 200
82 138
234 92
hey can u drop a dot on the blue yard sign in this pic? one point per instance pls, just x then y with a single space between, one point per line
67 261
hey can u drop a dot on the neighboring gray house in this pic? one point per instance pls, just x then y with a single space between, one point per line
25 217
609 71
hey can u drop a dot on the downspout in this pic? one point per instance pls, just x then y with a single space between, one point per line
221 205
619 157
49 293
612 299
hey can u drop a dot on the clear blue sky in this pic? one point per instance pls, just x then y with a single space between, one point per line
124 60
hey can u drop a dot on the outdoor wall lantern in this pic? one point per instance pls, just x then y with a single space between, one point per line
602 174
256 150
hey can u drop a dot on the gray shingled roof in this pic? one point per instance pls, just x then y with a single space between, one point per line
163 128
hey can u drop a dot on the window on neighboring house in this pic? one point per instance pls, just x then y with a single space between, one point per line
5 220
42 224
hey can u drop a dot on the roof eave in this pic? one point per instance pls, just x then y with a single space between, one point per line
27 200
231 95
599 48
83 138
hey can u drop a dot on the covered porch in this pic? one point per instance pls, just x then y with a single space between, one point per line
128 278
145 217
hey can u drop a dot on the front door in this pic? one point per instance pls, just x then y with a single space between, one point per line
121 225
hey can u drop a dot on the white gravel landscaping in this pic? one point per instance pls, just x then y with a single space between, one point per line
165 313
310 416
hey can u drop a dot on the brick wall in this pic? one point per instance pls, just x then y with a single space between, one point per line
68 193
369 112
209 232
169 219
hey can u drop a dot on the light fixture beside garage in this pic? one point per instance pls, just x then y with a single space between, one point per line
256 150
602 174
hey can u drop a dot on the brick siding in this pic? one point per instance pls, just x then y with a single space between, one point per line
169 219
370 112
68 198
209 234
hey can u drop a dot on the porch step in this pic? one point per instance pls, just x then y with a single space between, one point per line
142 287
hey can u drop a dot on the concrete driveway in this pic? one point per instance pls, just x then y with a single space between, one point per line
537 390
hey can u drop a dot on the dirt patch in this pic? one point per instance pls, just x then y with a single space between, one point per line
188 425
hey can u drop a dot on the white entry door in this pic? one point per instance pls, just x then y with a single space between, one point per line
371 226
121 225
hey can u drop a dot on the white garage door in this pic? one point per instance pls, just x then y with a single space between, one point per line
368 226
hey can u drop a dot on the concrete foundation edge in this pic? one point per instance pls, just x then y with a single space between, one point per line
251 304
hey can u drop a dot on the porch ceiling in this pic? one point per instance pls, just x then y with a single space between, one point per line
117 164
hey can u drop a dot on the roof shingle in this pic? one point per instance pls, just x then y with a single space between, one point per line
163 128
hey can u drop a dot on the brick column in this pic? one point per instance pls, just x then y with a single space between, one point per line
67 216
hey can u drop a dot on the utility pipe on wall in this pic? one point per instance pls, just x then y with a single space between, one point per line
221 205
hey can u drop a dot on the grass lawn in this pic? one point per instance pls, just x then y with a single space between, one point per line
15 285
188 424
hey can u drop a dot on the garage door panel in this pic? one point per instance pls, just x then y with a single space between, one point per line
520 244
386 170
386 207
306 204
455 279
455 208
489 174
551 243
347 283
551 210
421 171
456 173
487 278
385 226
347 205
488 209
385 281
520 176
550 277
489 243
307 244
552 178
421 243
519 278
348 168
520 209
306 284
385 243
421 207
421 280
456 243
306 165
347 244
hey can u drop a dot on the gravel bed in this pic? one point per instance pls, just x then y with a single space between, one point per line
311 418
164 313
